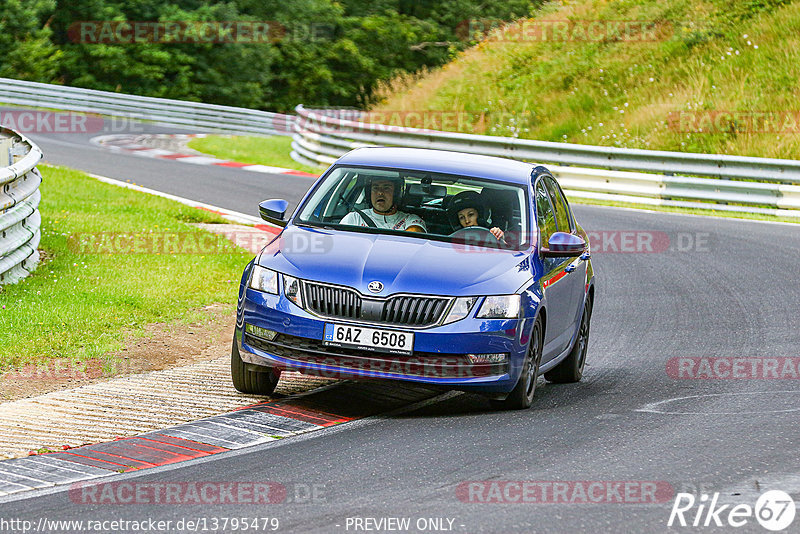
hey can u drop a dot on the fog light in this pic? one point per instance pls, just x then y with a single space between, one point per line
259 332
499 357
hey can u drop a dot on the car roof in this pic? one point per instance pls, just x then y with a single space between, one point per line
443 161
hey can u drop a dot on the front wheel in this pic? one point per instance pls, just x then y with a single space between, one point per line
571 369
521 397
253 382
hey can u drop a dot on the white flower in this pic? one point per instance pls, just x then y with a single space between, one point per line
626 104
748 42
651 79
744 36
755 46
600 124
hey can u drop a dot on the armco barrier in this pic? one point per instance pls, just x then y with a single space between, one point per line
19 202
670 178
179 113
720 182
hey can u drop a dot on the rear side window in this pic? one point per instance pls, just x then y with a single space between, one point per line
559 205
544 213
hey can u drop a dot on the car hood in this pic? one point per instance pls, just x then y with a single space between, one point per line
402 264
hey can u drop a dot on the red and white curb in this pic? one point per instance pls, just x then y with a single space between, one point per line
252 425
133 144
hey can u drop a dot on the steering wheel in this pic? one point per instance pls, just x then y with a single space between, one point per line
474 235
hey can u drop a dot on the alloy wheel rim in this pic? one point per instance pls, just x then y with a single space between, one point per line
583 339
531 363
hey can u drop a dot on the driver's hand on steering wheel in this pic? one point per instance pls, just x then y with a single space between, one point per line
497 232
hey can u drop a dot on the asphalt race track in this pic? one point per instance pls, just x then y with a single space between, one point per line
711 288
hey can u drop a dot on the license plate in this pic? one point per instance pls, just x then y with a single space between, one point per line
359 337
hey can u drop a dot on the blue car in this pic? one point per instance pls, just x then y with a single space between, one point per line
463 271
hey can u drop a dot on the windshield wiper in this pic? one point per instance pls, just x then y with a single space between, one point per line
316 225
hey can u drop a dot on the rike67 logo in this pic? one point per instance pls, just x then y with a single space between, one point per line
774 510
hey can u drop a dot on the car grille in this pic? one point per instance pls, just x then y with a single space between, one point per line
346 303
420 364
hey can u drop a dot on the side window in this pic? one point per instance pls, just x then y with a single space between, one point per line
336 203
545 218
559 205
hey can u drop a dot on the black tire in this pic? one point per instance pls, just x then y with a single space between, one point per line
571 369
521 397
253 382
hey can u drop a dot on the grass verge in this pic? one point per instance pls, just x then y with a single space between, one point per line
114 261
668 90
272 151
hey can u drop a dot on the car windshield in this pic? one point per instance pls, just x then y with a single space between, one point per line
419 204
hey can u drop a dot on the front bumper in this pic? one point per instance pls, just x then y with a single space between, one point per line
439 355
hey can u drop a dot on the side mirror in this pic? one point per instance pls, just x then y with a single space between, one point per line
562 244
273 211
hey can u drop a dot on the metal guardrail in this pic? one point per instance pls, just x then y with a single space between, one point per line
20 222
180 113
320 138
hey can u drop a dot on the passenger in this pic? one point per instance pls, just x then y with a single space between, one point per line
384 196
467 209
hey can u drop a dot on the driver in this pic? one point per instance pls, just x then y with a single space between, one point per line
467 209
384 195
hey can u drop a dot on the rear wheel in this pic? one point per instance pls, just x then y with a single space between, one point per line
571 369
248 381
521 396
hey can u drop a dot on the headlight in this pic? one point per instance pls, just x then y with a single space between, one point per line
265 280
460 309
291 288
499 307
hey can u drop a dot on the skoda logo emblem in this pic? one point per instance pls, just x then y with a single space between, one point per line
375 286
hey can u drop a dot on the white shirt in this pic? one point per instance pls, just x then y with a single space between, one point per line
397 221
